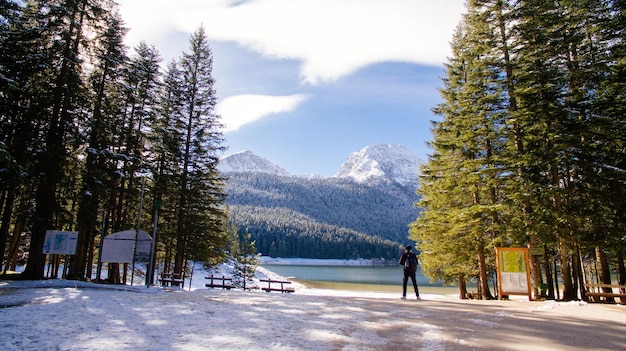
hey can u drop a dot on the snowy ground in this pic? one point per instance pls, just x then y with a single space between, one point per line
70 315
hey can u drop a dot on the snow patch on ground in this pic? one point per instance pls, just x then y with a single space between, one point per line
58 314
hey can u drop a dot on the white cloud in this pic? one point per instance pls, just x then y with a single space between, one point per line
332 38
239 110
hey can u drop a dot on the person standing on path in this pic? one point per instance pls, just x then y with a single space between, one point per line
409 261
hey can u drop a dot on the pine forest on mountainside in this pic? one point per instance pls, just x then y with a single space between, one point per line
336 218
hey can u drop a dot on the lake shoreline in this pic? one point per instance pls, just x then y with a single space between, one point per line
348 275
266 260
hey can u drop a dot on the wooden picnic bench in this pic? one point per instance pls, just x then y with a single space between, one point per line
171 279
219 282
282 288
605 292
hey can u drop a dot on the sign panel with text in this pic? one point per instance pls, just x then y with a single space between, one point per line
513 271
60 243
119 247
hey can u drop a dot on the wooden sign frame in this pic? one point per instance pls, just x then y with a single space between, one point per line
513 267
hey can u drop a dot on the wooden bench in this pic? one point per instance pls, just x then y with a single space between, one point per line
282 288
219 282
598 293
171 279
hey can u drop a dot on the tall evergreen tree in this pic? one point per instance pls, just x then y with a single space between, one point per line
559 61
22 84
131 160
201 217
143 76
65 26
110 59
166 154
470 137
612 106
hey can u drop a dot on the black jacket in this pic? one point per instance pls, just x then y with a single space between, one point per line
404 258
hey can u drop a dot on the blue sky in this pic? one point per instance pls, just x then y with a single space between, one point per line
304 83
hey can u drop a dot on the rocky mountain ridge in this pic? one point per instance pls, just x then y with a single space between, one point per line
381 162
391 162
248 161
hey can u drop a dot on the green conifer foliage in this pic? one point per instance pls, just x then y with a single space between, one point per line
201 218
97 178
246 260
526 151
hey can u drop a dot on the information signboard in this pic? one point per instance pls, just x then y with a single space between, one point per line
119 247
60 243
513 271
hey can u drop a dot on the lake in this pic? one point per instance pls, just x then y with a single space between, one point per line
384 278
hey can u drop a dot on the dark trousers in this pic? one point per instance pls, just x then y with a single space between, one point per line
409 274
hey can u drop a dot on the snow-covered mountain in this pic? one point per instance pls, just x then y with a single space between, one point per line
372 163
247 161
369 203
381 162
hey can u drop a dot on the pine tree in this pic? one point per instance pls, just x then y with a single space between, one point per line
246 260
165 156
65 24
613 148
461 183
105 82
143 78
22 82
588 60
131 159
200 218
560 66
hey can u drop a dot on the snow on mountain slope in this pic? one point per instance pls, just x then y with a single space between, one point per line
247 161
372 163
376 162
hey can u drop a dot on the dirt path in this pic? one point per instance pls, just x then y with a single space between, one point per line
445 324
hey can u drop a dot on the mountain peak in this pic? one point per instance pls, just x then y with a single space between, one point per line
248 161
376 162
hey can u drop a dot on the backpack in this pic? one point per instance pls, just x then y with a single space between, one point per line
410 262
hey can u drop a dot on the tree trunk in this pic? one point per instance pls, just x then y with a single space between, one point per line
604 273
14 245
535 269
88 207
179 257
483 280
577 270
90 257
87 215
566 276
549 279
462 288
6 221
46 201
114 273
621 270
